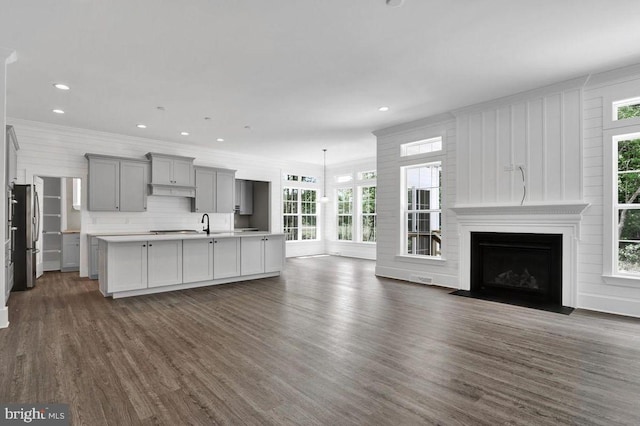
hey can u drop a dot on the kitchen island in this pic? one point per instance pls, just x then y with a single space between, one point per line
132 265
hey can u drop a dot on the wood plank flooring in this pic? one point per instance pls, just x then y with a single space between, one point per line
327 343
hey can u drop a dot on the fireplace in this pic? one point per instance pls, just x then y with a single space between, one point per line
517 268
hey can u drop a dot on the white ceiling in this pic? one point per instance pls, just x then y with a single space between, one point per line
303 74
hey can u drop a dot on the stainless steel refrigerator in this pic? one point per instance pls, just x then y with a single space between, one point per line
25 223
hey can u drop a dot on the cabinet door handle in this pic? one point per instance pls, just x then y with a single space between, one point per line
210 242
150 245
144 245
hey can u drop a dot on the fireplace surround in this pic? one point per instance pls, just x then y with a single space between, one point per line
559 219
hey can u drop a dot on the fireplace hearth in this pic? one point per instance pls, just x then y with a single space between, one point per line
517 268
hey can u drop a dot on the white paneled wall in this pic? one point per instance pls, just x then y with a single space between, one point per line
389 264
558 135
541 132
48 150
593 291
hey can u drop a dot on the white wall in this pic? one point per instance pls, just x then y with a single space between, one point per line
557 133
330 234
49 150
539 130
596 292
390 263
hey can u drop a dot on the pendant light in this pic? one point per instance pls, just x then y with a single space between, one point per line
324 198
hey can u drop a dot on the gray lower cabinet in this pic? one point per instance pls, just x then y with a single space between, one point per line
123 266
117 184
262 254
215 190
197 260
151 264
165 263
70 252
93 257
226 257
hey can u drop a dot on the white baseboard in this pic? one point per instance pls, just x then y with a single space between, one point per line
4 317
420 277
609 304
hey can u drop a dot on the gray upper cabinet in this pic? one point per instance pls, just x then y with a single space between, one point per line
117 184
214 190
225 187
12 157
134 177
172 175
205 189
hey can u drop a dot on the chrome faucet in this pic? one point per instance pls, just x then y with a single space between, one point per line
202 221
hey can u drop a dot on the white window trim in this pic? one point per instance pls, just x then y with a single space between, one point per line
610 233
414 161
356 212
299 214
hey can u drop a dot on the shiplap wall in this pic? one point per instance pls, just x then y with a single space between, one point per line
540 132
332 245
49 150
593 292
388 262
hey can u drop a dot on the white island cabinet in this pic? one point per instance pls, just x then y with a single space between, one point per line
133 265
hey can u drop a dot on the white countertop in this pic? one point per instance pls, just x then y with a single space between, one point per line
134 238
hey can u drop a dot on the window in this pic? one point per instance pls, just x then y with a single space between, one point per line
300 214
291 178
344 178
367 175
77 193
368 205
625 109
345 214
309 218
422 209
627 204
308 179
290 200
421 147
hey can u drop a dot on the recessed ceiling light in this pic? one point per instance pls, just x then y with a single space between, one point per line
61 86
395 3
219 140
58 111
184 133
383 109
141 126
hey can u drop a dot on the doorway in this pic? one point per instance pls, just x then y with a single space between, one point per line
59 239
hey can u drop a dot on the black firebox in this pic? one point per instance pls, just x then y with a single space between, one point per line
518 268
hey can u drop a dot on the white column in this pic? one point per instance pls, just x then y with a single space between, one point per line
7 56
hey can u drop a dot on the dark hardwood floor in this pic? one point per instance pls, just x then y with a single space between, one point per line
328 343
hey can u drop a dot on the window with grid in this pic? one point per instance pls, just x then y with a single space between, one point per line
345 214
627 204
368 222
290 210
422 209
300 214
308 230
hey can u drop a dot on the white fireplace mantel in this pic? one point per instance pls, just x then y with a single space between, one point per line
561 219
